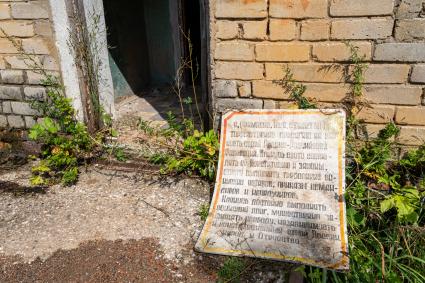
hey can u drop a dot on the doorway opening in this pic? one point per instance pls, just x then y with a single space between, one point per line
147 44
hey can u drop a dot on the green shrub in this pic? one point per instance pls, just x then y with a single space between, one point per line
385 198
188 150
385 215
231 270
204 211
64 140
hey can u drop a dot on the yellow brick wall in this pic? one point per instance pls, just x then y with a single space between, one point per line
29 23
253 40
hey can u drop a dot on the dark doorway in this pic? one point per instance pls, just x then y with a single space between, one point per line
147 46
141 44
191 25
146 42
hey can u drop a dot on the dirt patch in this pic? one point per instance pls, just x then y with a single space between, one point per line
18 189
105 261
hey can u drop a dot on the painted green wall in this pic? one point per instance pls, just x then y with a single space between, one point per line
160 42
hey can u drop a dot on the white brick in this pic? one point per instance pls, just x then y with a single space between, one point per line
353 8
30 10
362 29
23 108
7 108
225 88
4 11
409 30
12 76
35 46
10 92
16 122
239 70
224 104
393 94
400 52
418 74
237 51
37 93
227 29
30 121
3 121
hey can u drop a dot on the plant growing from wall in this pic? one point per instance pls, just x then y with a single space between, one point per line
358 69
295 90
385 199
66 142
86 49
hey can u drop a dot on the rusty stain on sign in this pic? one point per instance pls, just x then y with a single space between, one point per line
279 188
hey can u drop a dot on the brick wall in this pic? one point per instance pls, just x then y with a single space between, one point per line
29 23
252 40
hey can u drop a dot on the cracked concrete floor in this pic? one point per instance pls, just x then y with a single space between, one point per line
107 204
119 223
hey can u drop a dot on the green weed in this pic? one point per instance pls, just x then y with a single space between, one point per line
65 141
295 90
184 148
204 211
231 270
359 67
385 204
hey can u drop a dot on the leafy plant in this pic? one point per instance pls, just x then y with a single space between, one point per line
385 196
184 146
358 69
65 141
204 211
385 201
187 150
231 270
295 89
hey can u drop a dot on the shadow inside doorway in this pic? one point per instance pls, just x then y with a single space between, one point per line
147 44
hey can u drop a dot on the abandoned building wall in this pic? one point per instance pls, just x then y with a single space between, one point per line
29 23
252 42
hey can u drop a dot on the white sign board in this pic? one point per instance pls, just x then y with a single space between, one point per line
279 188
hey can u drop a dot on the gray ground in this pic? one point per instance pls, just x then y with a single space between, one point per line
105 204
122 222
